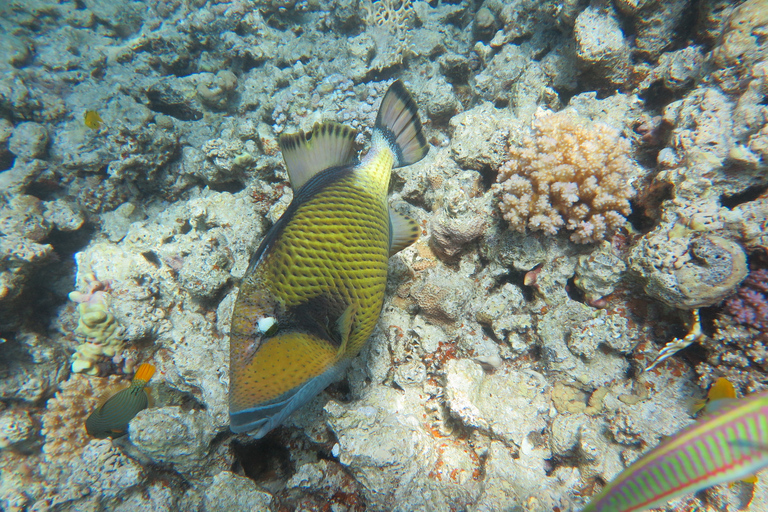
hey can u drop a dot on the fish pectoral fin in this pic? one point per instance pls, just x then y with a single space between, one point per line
306 154
403 231
344 328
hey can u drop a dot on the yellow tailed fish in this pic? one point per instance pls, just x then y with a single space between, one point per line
315 286
111 418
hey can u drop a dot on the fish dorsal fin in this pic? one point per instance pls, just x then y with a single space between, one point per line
306 154
143 373
403 231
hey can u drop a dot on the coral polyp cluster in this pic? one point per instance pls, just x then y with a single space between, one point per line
568 175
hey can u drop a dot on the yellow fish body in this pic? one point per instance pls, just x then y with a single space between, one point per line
315 287
92 119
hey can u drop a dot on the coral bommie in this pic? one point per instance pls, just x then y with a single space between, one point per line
749 305
571 175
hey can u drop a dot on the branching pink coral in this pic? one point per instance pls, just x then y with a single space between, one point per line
570 174
749 305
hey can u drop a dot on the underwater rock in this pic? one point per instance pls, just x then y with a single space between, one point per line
741 44
505 68
688 272
23 216
29 141
677 70
225 160
501 312
17 429
156 496
656 23
205 271
63 215
600 46
172 436
493 403
479 137
520 480
229 492
441 294
598 273
461 218
19 257
422 473
439 100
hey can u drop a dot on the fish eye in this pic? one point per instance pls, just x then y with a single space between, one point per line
267 325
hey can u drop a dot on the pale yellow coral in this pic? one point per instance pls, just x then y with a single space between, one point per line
97 326
570 174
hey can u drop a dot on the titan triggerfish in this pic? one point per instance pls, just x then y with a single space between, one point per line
314 288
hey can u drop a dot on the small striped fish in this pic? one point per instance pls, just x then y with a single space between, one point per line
111 418
729 444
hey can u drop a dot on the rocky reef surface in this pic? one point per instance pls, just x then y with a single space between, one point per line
596 189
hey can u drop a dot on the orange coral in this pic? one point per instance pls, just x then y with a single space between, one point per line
570 174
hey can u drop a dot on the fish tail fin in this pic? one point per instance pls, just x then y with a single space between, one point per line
398 122
144 373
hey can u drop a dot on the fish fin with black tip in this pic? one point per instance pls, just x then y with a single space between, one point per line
398 121
306 154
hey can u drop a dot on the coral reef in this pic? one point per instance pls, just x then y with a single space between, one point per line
505 371
569 175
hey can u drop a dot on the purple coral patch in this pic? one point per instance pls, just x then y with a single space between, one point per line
749 305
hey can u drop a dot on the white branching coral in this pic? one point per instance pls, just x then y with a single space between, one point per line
570 174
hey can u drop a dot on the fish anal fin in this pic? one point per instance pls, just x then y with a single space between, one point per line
403 231
306 154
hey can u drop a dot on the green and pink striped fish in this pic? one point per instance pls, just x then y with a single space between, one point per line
728 444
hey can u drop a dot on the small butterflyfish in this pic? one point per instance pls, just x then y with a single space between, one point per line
314 288
111 418
725 445
720 392
92 119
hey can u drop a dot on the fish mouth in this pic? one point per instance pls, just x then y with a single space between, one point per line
268 415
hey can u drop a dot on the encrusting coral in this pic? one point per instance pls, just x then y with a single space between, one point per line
98 327
65 414
570 174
